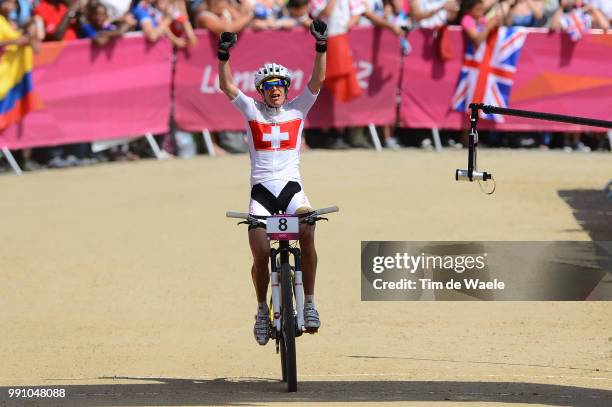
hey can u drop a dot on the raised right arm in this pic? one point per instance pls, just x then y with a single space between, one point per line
226 81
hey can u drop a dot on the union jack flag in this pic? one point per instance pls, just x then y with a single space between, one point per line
576 23
487 71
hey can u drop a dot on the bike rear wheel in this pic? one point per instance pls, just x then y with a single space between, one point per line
288 331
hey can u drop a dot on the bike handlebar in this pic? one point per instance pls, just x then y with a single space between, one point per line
323 211
316 212
237 215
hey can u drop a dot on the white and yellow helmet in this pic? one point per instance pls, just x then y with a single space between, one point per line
269 71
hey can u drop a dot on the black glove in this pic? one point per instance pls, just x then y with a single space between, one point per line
318 29
226 41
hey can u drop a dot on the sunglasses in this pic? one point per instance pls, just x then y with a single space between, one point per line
276 82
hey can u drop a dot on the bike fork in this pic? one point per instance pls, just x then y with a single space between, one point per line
276 293
298 288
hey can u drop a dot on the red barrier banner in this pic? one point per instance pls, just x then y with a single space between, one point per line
554 74
86 93
89 93
200 104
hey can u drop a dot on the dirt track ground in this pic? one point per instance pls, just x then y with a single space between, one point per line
125 285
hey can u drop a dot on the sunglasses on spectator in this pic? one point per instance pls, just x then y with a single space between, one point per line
267 85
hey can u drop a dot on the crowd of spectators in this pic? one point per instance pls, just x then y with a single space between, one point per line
104 20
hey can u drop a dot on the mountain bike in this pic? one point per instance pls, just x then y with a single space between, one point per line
287 296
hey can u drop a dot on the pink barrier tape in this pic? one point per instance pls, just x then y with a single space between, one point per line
199 104
88 93
554 74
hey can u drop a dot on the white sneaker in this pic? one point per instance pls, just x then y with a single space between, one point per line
261 330
426 144
582 147
311 318
392 144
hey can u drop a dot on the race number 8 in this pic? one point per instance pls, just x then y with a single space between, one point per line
282 224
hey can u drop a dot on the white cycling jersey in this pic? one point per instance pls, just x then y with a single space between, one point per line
275 136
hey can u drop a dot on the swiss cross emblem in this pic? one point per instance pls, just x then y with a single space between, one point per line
275 136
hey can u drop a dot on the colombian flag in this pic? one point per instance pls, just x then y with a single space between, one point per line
16 96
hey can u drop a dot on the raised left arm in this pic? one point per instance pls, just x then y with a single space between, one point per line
318 28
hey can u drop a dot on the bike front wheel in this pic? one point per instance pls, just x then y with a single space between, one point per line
288 329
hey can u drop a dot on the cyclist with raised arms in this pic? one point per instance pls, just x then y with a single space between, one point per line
274 131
